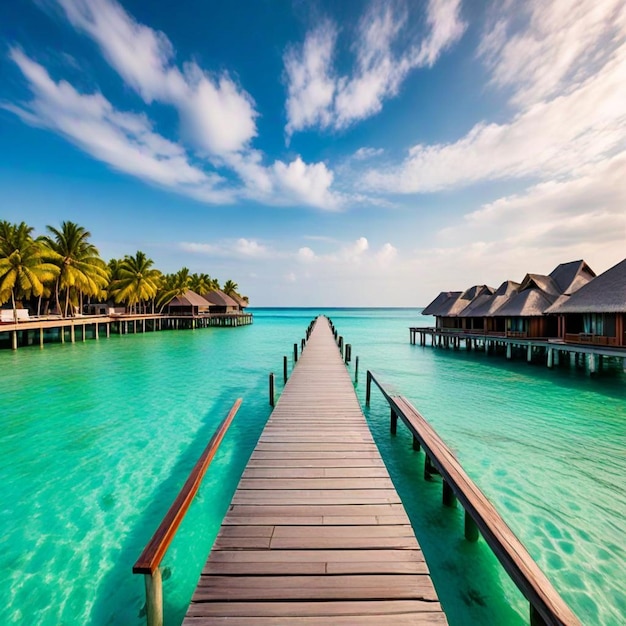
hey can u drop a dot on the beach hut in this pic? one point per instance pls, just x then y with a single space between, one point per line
190 303
525 311
220 303
448 306
480 313
242 302
596 312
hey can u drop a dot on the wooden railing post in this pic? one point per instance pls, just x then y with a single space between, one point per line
368 388
393 425
272 389
150 559
295 352
154 598
356 370
284 369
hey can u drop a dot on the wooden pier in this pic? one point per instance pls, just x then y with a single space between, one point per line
316 533
552 351
55 329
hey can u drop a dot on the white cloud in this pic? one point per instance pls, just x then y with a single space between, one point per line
386 255
238 248
305 183
318 96
216 114
251 248
552 138
446 28
309 83
365 153
559 45
306 255
123 140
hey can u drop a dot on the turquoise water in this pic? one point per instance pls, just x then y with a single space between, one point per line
98 437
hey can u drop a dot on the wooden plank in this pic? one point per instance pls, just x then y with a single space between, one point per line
316 533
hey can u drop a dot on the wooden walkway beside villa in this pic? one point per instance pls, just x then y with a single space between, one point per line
316 533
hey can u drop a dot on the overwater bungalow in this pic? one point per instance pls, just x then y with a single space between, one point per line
596 312
190 303
448 306
220 303
480 312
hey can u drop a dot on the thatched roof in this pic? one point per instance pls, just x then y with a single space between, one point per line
528 303
439 302
242 302
604 294
219 298
189 298
544 283
570 277
487 304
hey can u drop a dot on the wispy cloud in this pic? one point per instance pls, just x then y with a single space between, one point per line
551 137
241 248
125 141
216 114
217 119
317 96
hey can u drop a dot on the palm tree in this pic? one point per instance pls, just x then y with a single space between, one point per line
230 288
82 271
25 263
136 281
201 283
173 286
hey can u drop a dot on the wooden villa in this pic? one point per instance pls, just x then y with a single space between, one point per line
220 303
570 310
595 313
190 303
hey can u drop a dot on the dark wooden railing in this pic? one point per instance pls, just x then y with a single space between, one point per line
546 605
150 559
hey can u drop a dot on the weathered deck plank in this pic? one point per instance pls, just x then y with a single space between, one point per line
316 533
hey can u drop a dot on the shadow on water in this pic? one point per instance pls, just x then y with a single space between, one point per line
203 519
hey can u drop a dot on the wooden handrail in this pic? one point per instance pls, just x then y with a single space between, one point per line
547 606
156 548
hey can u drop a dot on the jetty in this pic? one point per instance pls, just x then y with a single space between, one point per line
316 533
30 331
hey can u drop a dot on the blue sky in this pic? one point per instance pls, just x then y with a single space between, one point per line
322 153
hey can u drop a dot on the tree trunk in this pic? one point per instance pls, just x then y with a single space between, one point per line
14 306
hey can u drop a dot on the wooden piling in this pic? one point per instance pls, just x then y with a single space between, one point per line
393 426
272 389
284 369
356 370
154 598
471 530
295 352
447 496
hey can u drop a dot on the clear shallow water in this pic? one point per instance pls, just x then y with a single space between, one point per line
97 438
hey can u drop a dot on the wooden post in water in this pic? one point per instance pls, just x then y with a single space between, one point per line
41 336
509 350
84 329
549 357
448 497
14 340
356 370
97 331
154 598
368 388
393 426
302 344
416 443
295 352
284 369
73 333
272 389
471 530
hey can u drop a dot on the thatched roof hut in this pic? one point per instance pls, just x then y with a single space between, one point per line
488 303
570 277
190 303
441 302
242 302
219 302
604 294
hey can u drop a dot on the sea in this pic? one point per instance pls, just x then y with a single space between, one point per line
97 438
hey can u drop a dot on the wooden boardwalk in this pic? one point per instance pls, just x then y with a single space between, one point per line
316 533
